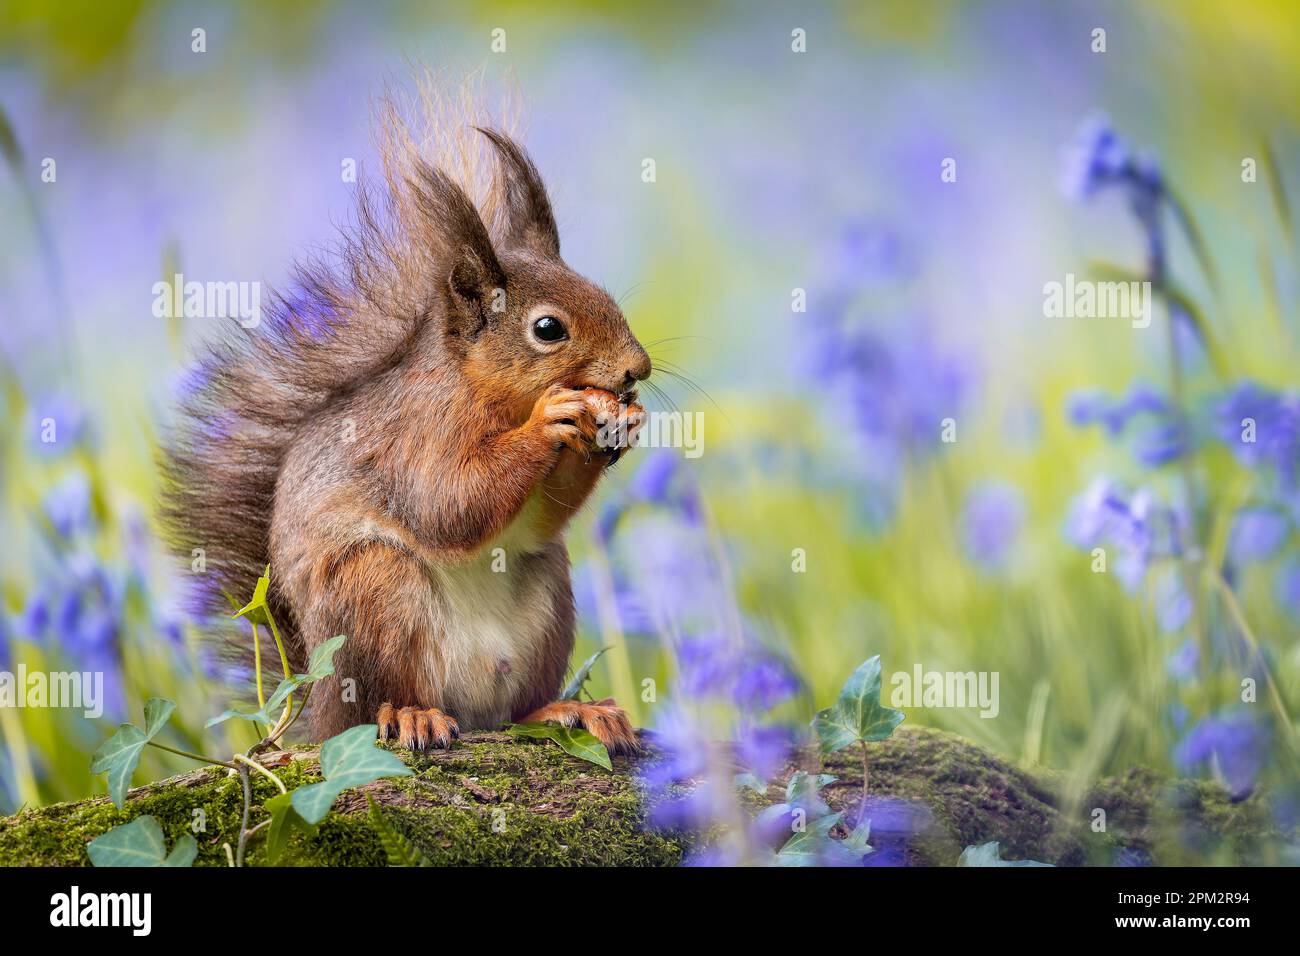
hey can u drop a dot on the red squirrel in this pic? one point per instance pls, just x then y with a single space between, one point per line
404 439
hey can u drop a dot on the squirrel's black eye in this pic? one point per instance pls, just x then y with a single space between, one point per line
549 329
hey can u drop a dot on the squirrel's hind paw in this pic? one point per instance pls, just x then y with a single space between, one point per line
603 719
416 728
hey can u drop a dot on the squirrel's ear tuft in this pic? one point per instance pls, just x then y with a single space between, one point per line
473 271
530 222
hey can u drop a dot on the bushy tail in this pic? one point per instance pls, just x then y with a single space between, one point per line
343 321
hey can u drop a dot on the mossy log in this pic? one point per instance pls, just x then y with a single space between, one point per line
494 799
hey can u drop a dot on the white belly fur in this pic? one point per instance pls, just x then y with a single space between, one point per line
491 624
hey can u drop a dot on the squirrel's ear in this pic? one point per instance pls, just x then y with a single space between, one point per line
473 271
530 222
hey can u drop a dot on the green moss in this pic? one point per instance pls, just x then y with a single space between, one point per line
495 800
490 800
977 797
1181 822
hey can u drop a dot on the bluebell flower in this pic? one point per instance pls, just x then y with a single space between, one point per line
675 585
1257 535
1262 428
991 521
1138 525
68 505
1131 856
621 590
36 615
1099 513
740 672
1232 744
1173 603
865 251
706 665
58 424
1097 158
763 680
662 481
1163 440
896 825
1093 158
764 750
894 391
1161 444
1286 587
1184 663
683 747
1093 407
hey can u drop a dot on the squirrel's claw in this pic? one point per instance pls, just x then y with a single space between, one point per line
416 728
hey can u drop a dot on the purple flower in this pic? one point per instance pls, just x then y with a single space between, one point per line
1232 744
1100 513
661 481
1129 856
1173 604
1092 407
59 424
764 751
863 252
991 521
763 681
1257 535
1286 587
1158 444
895 389
67 505
685 751
1097 158
1094 158
1262 428
1139 526
661 577
1183 663
743 674
36 616
896 824
706 666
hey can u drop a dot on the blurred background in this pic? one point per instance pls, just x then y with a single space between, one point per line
815 286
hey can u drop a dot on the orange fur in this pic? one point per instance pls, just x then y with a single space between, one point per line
397 429
603 719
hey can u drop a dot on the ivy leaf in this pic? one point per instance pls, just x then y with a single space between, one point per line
857 840
397 847
807 847
319 666
346 761
574 687
990 854
858 714
802 786
120 754
257 610
572 740
140 843
284 822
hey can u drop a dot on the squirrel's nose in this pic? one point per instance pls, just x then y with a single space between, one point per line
639 369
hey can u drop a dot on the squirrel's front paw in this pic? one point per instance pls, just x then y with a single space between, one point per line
617 421
587 420
603 719
416 728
